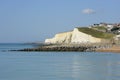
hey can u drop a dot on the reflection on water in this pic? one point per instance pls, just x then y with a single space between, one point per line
100 68
59 66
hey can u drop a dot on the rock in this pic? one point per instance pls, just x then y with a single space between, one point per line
80 37
74 36
60 38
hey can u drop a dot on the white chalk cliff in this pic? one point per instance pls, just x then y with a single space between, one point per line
74 36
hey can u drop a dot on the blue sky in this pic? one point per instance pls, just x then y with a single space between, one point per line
36 20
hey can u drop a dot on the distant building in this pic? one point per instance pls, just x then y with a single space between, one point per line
110 25
113 28
95 25
103 24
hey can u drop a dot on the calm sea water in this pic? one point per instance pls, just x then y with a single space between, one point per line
57 65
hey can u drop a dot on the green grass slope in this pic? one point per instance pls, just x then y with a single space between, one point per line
99 28
95 33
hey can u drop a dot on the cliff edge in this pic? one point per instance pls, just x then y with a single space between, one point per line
75 36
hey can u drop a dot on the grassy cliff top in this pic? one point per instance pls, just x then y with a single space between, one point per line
99 28
95 33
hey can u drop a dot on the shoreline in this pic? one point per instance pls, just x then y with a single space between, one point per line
75 47
115 49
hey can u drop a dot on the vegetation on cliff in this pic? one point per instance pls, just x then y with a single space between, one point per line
96 33
100 28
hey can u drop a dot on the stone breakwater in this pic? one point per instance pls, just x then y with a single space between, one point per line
77 48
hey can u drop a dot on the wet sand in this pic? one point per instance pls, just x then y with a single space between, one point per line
115 49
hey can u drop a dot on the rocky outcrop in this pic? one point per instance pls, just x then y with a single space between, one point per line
74 36
80 37
60 38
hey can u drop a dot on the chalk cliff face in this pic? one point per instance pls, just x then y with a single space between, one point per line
80 37
60 38
74 36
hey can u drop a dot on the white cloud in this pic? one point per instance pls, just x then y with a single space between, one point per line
88 11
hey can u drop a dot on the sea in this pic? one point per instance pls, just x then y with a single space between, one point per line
16 65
